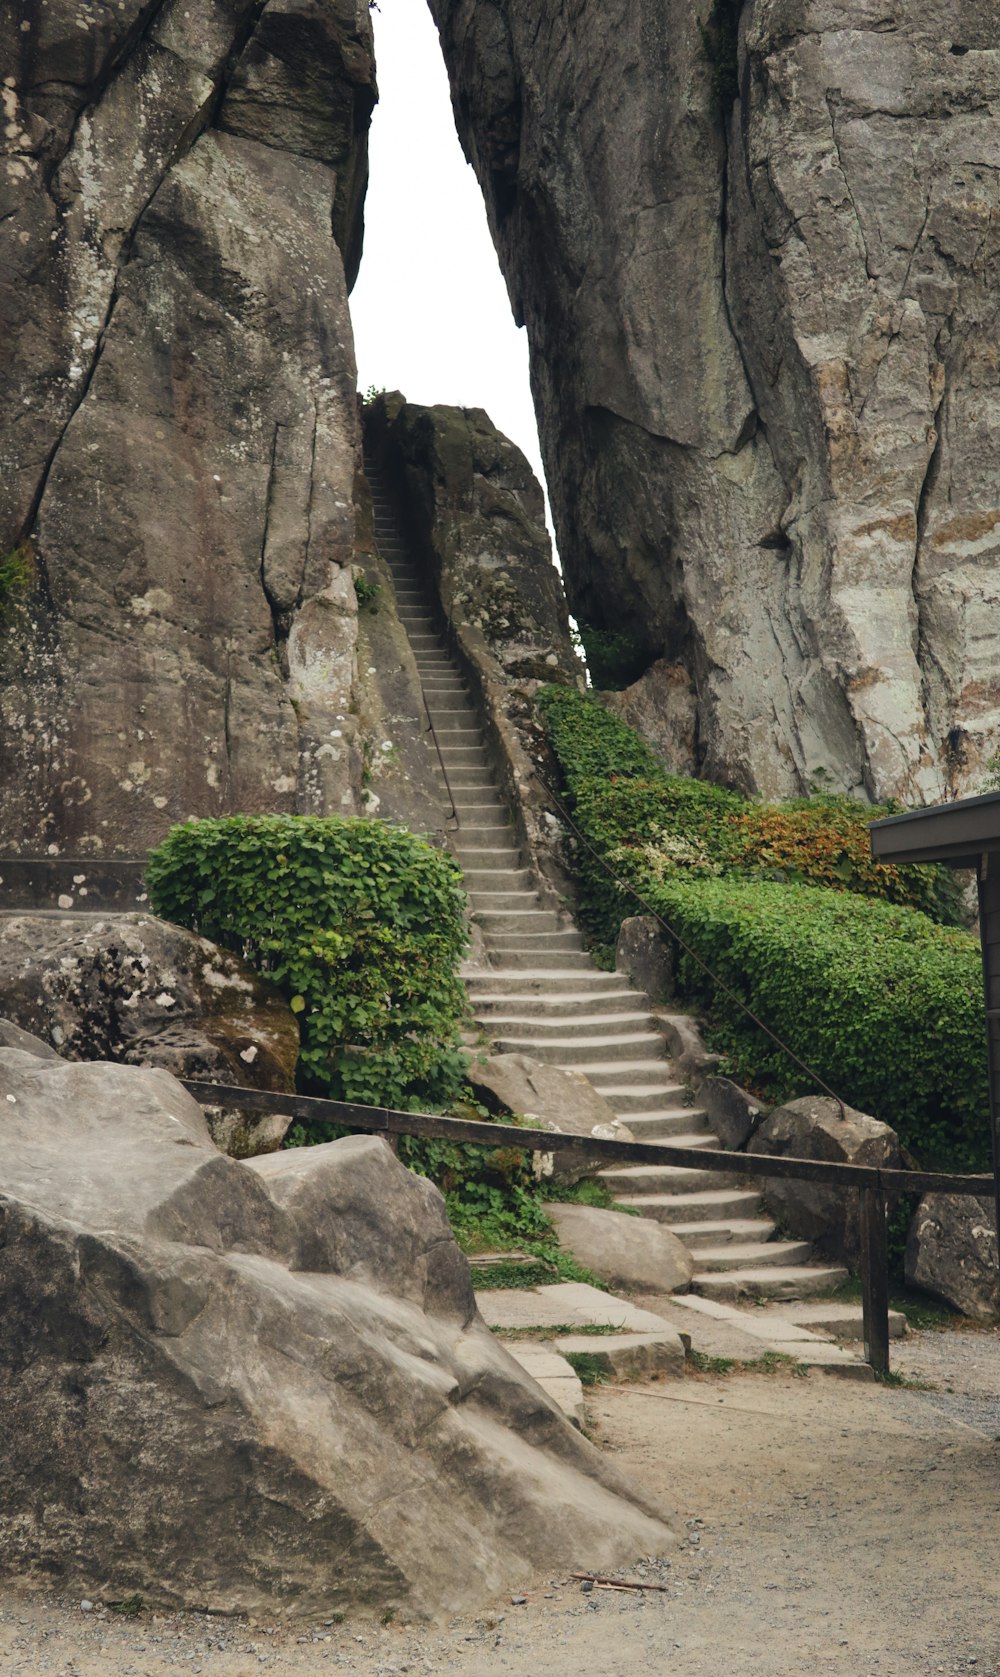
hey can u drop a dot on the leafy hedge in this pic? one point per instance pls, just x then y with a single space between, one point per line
881 1001
625 798
886 1006
360 924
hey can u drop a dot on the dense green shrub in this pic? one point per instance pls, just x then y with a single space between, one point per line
625 798
878 999
886 1006
360 924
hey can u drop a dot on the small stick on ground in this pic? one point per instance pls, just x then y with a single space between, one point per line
618 1583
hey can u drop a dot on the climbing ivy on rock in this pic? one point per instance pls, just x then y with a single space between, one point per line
359 923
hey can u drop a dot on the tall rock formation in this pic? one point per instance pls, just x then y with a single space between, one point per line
181 185
757 253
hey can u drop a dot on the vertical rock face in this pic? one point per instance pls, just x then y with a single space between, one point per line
762 302
179 441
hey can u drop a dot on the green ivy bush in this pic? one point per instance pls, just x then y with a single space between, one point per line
360 924
881 1000
625 799
886 1006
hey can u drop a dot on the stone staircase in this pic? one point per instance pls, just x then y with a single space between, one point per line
543 996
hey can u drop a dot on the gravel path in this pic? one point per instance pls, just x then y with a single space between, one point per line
830 1529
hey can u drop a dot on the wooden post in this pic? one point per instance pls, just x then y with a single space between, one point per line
989 932
875 1279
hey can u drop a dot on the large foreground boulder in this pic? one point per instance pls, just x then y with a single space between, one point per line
138 991
816 1127
260 1387
951 1251
624 1251
552 1098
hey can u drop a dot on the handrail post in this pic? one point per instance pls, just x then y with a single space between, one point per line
875 1279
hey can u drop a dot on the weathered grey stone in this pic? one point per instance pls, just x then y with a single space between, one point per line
12 1036
554 1098
687 1047
476 513
136 990
732 1112
760 299
169 1366
647 957
951 1251
624 1251
179 438
815 1128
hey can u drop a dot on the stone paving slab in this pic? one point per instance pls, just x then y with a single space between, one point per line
629 1356
719 1329
557 1378
839 1321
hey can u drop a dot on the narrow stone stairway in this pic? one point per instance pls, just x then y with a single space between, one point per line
543 996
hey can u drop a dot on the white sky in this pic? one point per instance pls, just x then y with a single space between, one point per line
430 308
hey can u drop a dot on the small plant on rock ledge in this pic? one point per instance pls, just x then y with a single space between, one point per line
17 576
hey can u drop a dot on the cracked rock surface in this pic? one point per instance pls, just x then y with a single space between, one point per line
180 212
138 991
763 357
260 1387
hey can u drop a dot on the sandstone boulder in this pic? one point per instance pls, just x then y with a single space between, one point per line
624 1251
733 1114
552 1098
192 1345
951 1251
139 991
647 957
815 1128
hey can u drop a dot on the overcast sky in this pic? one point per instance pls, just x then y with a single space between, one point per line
430 308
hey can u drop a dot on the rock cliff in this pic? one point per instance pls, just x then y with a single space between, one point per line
284 1354
180 197
757 253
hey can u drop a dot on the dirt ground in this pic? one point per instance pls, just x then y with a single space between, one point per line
830 1529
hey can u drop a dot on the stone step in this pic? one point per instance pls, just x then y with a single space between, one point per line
608 1073
762 1282
557 1004
745 1231
584 1025
463 756
839 1321
531 922
474 801
563 937
557 959
632 1184
685 1138
487 824
577 1052
468 779
498 984
668 1122
640 1096
729 1255
496 902
497 879
494 852
708 1205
